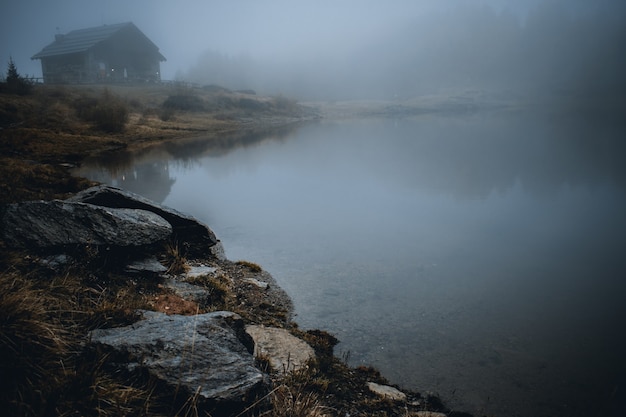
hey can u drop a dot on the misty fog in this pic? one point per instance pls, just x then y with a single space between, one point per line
470 46
328 50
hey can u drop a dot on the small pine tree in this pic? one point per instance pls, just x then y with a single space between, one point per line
13 77
14 81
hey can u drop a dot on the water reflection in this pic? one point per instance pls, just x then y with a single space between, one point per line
478 255
147 171
467 157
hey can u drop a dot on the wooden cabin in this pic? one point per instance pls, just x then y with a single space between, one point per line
109 53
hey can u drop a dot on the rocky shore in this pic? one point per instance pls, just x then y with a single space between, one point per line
115 305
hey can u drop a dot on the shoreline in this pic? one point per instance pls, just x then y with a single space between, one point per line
40 158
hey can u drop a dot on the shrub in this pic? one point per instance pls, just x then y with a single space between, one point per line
107 112
135 104
166 114
185 102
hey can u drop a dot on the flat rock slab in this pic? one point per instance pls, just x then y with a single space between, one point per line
187 291
284 351
56 223
203 354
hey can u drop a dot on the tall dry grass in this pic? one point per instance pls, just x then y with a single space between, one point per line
45 366
34 345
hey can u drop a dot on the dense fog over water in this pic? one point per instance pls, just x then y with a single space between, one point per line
356 49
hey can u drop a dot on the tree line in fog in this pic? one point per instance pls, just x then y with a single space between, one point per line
549 51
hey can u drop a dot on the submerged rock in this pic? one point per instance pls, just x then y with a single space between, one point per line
50 224
197 236
208 355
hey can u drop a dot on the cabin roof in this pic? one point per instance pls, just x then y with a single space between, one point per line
82 40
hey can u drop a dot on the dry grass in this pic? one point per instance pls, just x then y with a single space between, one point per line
43 322
106 112
219 292
174 304
45 318
33 344
253 267
175 259
63 124
34 181
289 401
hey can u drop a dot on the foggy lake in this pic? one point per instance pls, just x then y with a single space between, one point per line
479 256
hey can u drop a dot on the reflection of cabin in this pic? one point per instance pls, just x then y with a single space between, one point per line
108 53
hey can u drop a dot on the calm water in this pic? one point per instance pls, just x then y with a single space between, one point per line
481 257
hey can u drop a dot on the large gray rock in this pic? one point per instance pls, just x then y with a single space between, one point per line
208 354
50 224
196 235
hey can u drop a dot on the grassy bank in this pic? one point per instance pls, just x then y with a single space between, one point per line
54 127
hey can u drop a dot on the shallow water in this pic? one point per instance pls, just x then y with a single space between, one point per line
477 256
